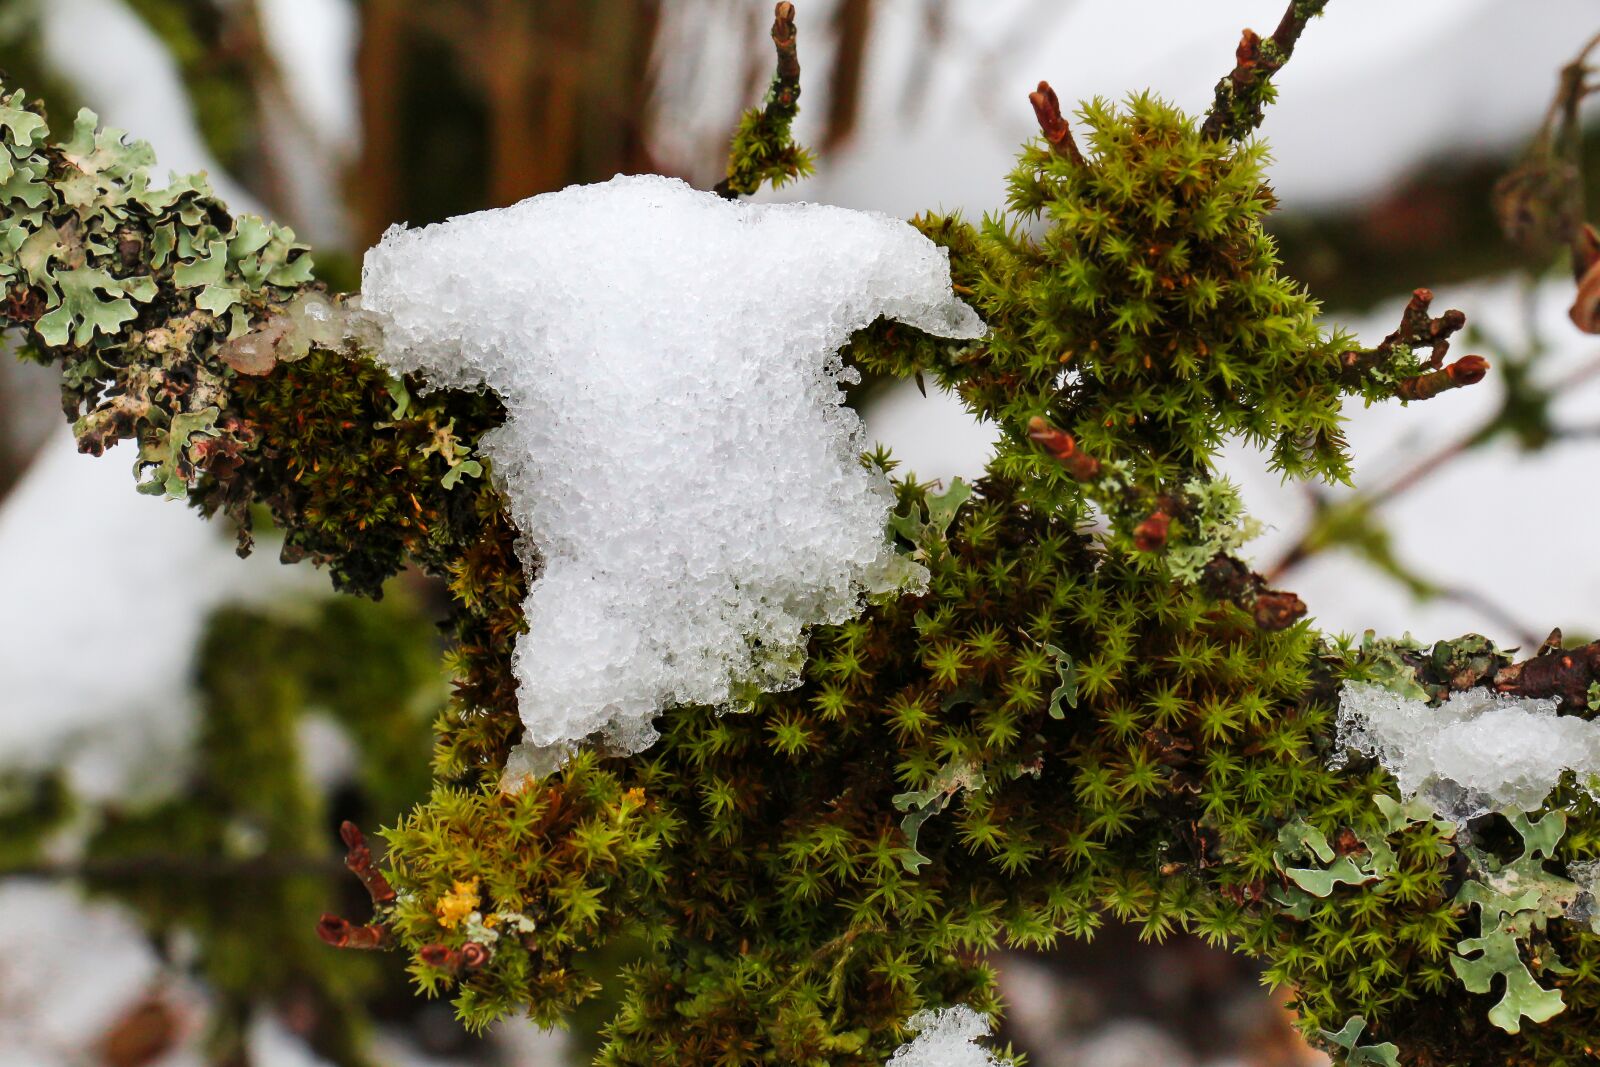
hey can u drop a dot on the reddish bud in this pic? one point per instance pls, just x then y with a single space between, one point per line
464 960
341 933
1246 58
1151 534
1047 109
1063 447
1468 370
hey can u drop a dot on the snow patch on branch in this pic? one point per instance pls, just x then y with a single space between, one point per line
945 1038
1477 752
676 454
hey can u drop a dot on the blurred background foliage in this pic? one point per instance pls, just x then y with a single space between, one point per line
344 117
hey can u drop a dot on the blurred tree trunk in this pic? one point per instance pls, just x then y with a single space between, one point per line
468 104
852 26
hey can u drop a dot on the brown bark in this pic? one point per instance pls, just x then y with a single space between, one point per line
852 25
378 65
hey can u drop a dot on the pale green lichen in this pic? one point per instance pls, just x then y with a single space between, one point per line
1217 526
90 303
940 510
1515 901
1348 1039
920 805
133 289
1066 690
1369 860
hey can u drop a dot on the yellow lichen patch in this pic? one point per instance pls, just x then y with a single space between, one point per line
460 902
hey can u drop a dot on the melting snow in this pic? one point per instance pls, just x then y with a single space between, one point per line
675 454
1477 752
945 1038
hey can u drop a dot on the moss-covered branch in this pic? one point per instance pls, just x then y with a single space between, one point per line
1065 725
1242 96
763 150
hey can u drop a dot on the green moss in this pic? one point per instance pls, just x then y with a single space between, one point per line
1067 723
239 858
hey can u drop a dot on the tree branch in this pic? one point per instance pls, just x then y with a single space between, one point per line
763 150
1417 330
1554 672
1245 92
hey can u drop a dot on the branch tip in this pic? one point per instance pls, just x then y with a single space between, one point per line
763 150
1468 370
1053 125
1242 95
358 858
1419 328
784 36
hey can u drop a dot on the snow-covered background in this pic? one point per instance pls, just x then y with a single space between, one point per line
1376 90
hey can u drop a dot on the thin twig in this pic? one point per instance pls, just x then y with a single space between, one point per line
1428 465
782 103
1435 461
1242 95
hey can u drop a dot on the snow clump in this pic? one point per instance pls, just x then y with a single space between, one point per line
676 456
1477 752
945 1038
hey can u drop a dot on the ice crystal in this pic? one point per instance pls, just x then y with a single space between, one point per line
945 1038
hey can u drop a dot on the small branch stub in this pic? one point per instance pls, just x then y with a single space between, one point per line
358 858
342 933
1225 578
1277 610
1053 125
